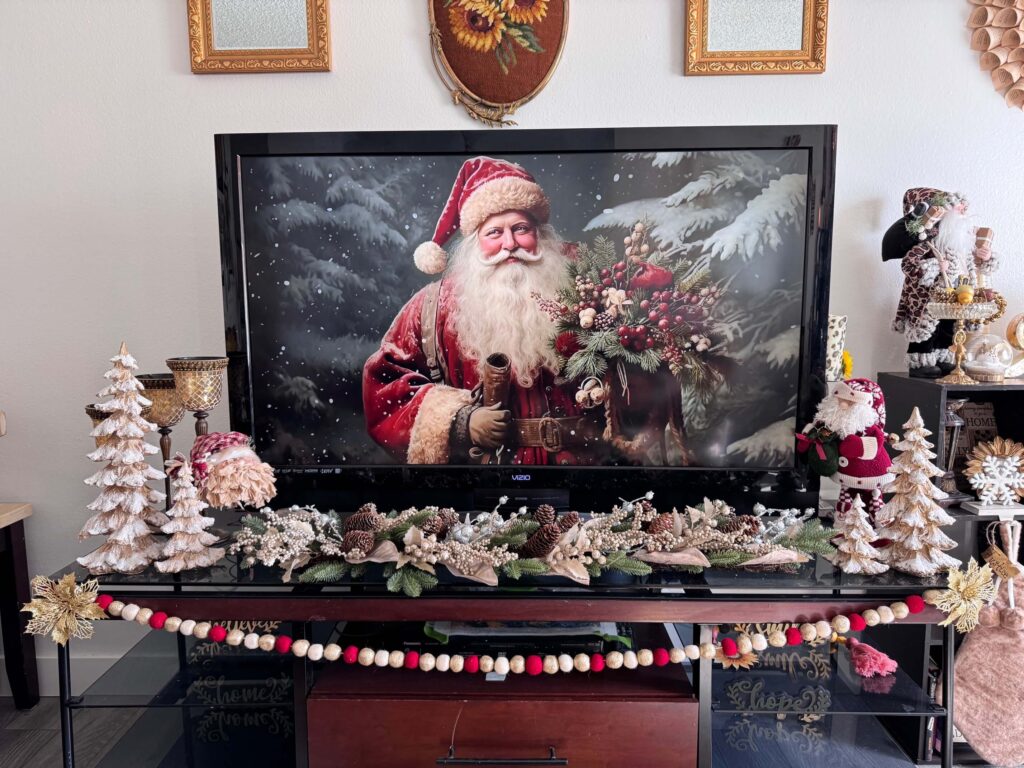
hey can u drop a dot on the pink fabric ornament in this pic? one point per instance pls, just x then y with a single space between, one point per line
793 637
868 661
729 648
157 620
104 601
283 644
472 665
661 657
596 662
351 655
915 603
218 633
412 659
857 623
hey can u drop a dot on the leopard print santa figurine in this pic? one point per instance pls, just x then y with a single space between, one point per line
937 245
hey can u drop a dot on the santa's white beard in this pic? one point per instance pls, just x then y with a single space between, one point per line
845 419
496 309
955 240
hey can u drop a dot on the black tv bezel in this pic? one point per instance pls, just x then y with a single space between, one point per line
589 486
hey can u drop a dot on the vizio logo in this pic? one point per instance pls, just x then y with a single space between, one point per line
521 478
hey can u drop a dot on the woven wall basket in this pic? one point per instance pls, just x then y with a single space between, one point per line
998 35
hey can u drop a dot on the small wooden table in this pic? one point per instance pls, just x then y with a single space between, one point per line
19 648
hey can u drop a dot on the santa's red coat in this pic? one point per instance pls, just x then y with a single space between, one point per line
411 416
863 460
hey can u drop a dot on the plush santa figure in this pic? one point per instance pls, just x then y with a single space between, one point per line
422 388
937 244
228 472
849 442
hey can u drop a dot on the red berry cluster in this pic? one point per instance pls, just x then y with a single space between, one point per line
636 337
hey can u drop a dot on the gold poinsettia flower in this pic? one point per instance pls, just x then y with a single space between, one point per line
526 11
743 661
477 24
63 609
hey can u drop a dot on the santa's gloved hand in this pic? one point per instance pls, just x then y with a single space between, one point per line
489 426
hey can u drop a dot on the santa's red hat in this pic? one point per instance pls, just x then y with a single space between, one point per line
863 391
485 186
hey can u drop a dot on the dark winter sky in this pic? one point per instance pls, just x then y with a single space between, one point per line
328 253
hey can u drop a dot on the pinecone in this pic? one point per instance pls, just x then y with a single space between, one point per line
361 540
604 321
661 523
542 542
568 520
747 525
366 519
545 514
646 506
441 523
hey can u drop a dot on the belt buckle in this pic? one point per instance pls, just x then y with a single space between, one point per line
550 434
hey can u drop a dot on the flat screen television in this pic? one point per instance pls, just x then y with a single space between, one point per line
603 311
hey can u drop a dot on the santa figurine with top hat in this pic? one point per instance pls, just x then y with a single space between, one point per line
428 391
848 441
937 245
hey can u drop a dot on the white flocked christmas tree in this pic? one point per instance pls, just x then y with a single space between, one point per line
126 511
189 545
855 553
911 519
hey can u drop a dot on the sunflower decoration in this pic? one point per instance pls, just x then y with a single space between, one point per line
477 24
502 26
742 661
63 609
526 11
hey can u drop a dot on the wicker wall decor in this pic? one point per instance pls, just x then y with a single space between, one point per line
998 35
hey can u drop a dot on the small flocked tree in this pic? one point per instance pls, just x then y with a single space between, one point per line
856 555
189 545
126 510
912 519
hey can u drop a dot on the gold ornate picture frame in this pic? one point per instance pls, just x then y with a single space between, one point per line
709 24
239 36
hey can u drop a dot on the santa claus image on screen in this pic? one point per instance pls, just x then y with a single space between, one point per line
937 244
467 371
849 429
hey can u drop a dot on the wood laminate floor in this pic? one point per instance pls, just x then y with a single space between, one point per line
31 738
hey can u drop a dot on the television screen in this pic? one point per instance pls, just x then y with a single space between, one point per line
569 308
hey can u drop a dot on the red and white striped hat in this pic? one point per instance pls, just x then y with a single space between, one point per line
485 186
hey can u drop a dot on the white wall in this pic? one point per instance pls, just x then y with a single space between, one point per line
108 214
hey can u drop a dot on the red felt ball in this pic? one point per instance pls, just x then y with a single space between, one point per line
729 648
157 620
472 664
412 658
351 655
857 623
104 601
661 657
596 662
534 665
283 644
217 633
793 637
915 603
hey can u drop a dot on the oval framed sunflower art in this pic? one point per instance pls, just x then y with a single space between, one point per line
495 55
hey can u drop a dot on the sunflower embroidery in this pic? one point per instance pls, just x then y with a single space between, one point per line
497 25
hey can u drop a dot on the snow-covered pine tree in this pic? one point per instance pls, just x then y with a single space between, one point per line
126 510
189 545
911 519
855 553
734 213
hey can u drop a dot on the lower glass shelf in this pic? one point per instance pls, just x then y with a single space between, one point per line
808 742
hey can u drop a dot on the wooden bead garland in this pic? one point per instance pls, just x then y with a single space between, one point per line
535 664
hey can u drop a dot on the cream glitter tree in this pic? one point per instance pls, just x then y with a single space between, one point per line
189 545
912 519
126 510
856 555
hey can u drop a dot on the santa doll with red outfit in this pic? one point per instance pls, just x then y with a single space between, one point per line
422 389
849 442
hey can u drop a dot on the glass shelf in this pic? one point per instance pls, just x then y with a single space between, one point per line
768 742
817 681
216 675
818 577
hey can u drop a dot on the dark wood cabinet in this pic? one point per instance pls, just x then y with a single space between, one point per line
374 718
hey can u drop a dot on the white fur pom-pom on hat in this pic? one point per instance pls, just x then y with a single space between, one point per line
430 257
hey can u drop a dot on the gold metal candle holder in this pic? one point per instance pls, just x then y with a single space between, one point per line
198 383
165 412
984 307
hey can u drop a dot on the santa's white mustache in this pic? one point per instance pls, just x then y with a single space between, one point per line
504 253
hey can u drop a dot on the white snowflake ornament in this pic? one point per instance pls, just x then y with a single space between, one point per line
999 481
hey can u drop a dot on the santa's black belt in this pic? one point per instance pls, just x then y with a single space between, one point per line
551 434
